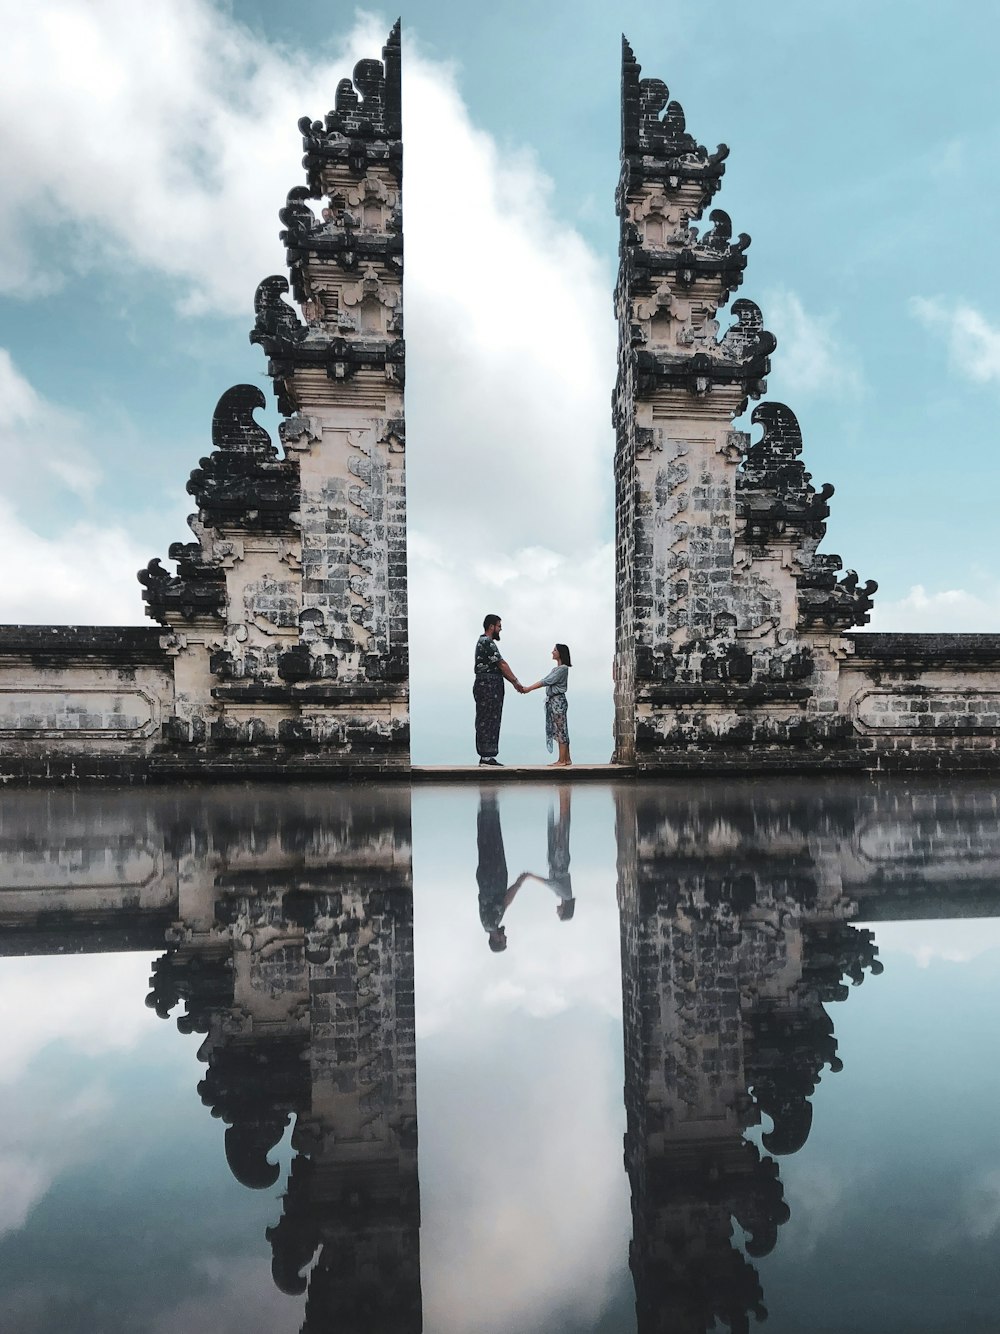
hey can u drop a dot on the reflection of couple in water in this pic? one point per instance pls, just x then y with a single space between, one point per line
495 895
488 691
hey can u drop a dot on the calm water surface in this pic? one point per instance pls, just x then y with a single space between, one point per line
582 1059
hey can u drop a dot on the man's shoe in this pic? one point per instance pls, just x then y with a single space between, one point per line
491 760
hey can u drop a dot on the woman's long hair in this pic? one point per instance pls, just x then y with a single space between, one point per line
564 658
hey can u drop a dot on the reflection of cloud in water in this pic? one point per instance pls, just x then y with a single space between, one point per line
523 1196
243 1300
88 1001
813 1194
47 1131
522 1185
23 1182
955 941
538 999
980 1207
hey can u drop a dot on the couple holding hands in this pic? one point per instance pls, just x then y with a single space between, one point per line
488 691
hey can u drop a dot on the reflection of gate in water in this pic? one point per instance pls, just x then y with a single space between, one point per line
288 922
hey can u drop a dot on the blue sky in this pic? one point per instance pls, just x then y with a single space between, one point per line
146 151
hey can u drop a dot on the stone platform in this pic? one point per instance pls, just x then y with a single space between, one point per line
505 773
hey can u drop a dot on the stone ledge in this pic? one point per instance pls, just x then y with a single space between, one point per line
923 649
123 930
311 692
759 693
131 645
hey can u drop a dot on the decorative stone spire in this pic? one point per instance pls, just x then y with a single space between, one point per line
655 143
728 623
288 614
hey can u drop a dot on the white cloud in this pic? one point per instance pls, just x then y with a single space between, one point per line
810 359
74 999
85 576
973 343
164 161
38 436
24 1180
950 610
510 343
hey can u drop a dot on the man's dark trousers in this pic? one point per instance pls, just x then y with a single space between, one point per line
488 694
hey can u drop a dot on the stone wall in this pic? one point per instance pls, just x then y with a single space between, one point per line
283 642
735 644
923 701
81 701
734 939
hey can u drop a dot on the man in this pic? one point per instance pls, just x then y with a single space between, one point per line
487 689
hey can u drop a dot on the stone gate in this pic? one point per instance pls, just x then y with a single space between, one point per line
281 643
736 639
281 639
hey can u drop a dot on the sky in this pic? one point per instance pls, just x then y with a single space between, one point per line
146 150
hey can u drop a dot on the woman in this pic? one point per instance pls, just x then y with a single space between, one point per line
555 704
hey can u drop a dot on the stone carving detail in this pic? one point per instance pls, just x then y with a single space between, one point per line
196 590
656 145
825 600
775 495
88 711
364 129
243 484
277 328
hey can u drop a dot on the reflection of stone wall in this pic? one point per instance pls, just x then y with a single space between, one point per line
288 920
733 939
293 955
83 873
